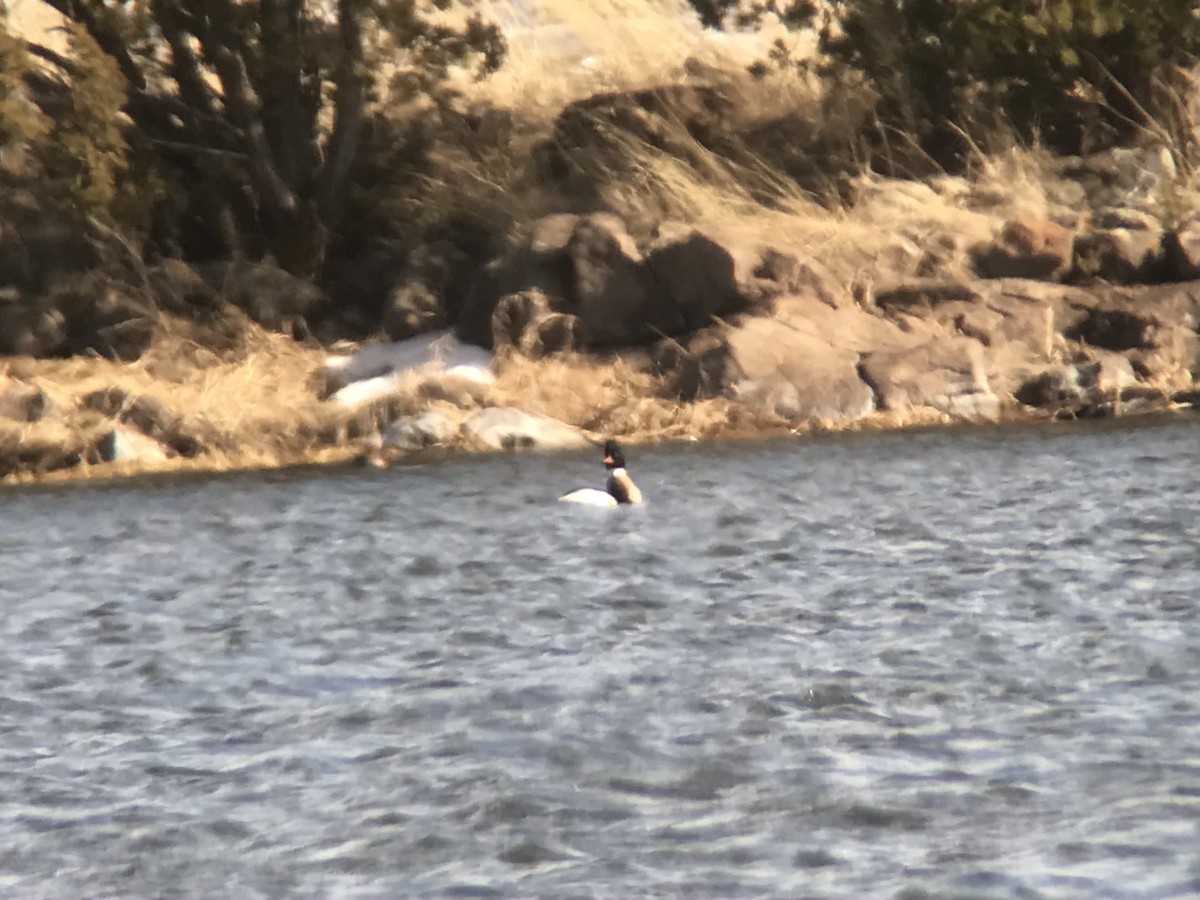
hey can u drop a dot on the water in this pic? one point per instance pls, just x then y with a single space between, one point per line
927 665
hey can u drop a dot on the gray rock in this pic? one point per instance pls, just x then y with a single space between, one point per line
504 428
427 429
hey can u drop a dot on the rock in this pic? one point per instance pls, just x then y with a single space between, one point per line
611 290
796 375
525 322
1181 252
1113 329
556 333
697 274
22 401
698 367
948 375
146 414
1082 383
1026 248
541 263
412 309
776 273
128 445
269 295
517 315
771 366
590 142
504 428
1120 256
427 429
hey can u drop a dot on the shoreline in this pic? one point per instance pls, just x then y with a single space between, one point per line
350 457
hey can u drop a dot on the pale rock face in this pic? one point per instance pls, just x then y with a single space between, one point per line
504 428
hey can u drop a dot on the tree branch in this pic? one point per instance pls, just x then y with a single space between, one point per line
186 67
220 43
349 100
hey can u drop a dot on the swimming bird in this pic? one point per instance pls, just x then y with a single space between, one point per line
620 489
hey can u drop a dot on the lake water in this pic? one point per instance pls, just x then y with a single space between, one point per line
941 664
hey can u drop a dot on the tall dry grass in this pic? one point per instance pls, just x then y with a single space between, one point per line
256 406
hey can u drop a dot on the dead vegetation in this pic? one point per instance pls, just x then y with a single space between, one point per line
257 400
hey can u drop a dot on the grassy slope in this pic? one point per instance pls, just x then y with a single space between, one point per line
260 407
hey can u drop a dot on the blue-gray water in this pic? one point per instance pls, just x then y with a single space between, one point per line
928 665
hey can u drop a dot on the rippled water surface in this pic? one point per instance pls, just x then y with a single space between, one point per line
923 665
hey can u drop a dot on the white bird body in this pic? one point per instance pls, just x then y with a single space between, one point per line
590 497
620 489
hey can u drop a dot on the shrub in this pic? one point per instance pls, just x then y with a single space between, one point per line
1077 75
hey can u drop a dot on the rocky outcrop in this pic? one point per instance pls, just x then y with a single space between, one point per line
619 292
947 374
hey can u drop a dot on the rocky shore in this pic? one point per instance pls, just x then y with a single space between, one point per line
1034 288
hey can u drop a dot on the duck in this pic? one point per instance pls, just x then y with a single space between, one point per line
620 490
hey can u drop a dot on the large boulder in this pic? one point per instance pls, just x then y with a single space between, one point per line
504 428
526 322
612 293
622 293
796 375
948 375
801 364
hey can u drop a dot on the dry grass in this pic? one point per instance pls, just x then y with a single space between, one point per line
616 397
254 407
